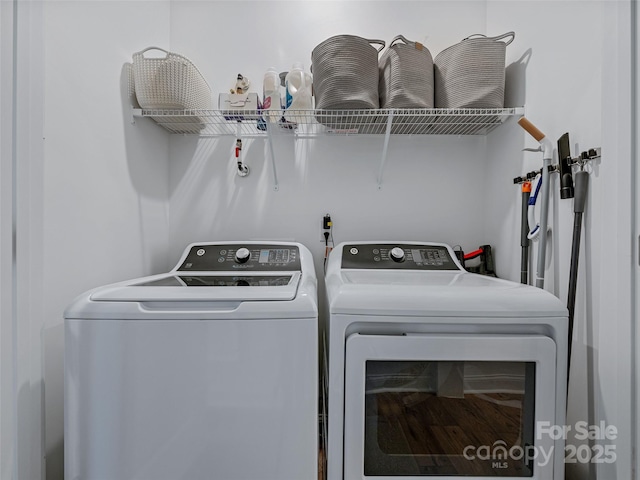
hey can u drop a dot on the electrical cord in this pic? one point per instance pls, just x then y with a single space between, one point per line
326 249
328 239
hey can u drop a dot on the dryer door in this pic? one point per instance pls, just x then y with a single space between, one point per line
444 406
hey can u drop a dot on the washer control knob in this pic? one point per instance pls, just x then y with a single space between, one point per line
397 254
242 255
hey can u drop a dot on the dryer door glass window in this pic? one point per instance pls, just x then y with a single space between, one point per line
449 405
439 417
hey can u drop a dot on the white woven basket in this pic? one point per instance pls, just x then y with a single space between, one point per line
406 75
169 83
470 74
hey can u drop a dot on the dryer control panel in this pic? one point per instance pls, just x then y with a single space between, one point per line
397 256
238 257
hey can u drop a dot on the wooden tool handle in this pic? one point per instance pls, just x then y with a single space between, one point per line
531 129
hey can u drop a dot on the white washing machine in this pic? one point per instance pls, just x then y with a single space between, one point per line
206 372
435 372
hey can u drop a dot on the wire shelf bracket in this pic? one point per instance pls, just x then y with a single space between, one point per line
385 149
272 157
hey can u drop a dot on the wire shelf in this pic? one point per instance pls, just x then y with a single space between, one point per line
255 123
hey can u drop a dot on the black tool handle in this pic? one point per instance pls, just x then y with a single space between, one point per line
573 277
581 184
580 190
524 239
524 225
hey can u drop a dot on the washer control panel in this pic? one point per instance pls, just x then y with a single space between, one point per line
236 281
239 257
219 281
397 256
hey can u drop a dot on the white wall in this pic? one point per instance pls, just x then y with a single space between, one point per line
614 344
572 80
227 37
7 401
104 213
635 338
27 370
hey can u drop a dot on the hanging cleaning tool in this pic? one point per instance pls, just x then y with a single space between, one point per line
534 227
547 156
581 179
529 228
524 232
581 187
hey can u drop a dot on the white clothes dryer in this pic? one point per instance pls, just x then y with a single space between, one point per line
208 371
440 373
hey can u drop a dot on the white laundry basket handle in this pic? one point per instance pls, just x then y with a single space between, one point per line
142 52
499 37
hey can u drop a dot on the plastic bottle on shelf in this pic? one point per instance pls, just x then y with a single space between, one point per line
298 86
271 104
286 98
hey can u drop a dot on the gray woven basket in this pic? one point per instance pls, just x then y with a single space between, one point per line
470 74
406 75
345 73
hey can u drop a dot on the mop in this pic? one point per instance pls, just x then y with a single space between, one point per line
581 179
